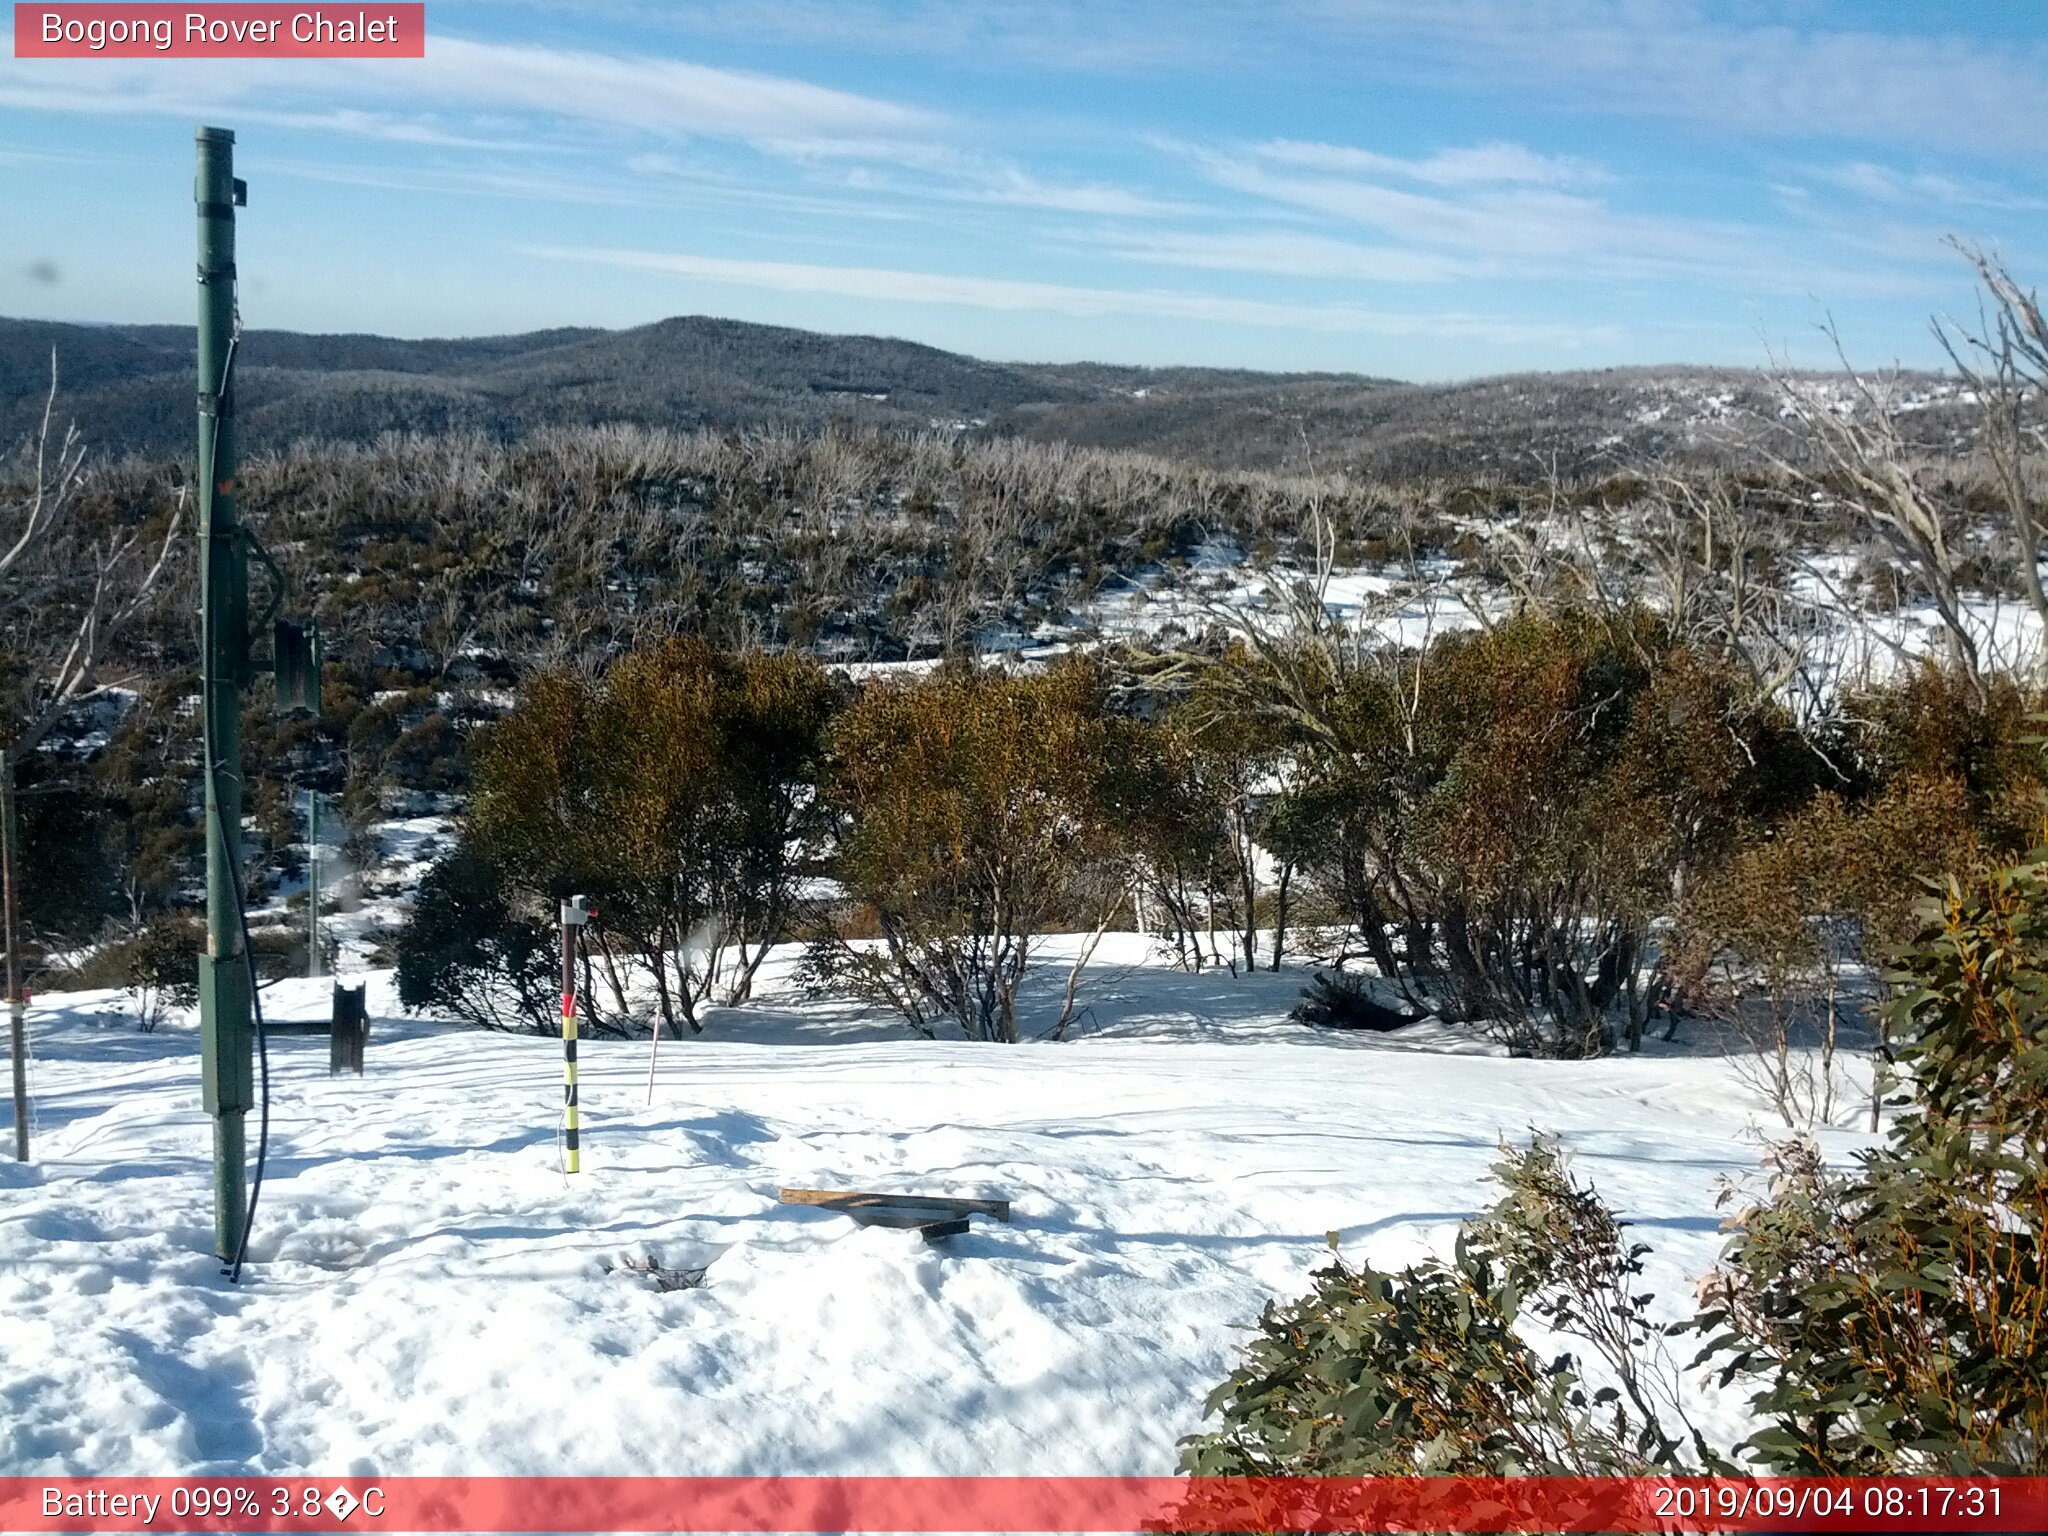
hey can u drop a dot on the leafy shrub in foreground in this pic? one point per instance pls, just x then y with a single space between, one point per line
1424 1371
1892 1319
1895 1318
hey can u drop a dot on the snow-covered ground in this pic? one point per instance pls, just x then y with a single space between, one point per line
1845 643
429 1293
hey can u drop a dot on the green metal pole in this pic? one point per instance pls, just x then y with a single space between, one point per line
226 1040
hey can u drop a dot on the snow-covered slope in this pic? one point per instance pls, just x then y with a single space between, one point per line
428 1293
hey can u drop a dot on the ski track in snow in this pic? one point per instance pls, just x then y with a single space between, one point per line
427 1292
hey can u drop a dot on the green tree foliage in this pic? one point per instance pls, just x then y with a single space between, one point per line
1894 1318
1887 1319
1931 778
1502 817
153 801
980 811
1426 1371
466 952
1929 727
69 840
1201 821
1773 939
677 791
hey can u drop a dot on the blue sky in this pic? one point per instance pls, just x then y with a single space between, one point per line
1420 188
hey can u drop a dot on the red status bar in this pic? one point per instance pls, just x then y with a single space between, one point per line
1017 1504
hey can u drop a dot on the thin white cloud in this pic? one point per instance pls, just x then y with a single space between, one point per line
1017 188
1541 232
1918 189
1479 165
662 96
1533 222
1065 35
1693 60
665 182
54 89
955 175
893 286
1921 79
1286 253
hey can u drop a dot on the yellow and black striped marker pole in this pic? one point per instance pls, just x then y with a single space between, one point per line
571 1128
576 912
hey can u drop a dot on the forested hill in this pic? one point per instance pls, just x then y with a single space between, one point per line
129 388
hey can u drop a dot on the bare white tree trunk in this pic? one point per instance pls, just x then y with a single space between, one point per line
2006 364
1867 472
92 585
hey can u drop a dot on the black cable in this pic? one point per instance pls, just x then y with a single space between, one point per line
213 765
263 1058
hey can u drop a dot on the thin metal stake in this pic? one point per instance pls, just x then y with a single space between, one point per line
313 956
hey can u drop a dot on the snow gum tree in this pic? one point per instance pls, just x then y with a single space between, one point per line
1503 818
980 811
1201 824
678 790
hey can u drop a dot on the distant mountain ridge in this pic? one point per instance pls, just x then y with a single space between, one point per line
130 389
131 385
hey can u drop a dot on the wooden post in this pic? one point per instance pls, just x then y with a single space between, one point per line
349 1032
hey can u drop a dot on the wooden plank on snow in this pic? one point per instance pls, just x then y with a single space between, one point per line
856 1201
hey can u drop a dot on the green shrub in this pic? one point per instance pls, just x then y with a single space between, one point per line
1199 820
159 963
1772 938
464 952
679 790
1894 1319
979 811
1891 1319
163 965
1426 1371
1503 824
1930 725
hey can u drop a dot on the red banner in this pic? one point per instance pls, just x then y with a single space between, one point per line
256 31
1017 1504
